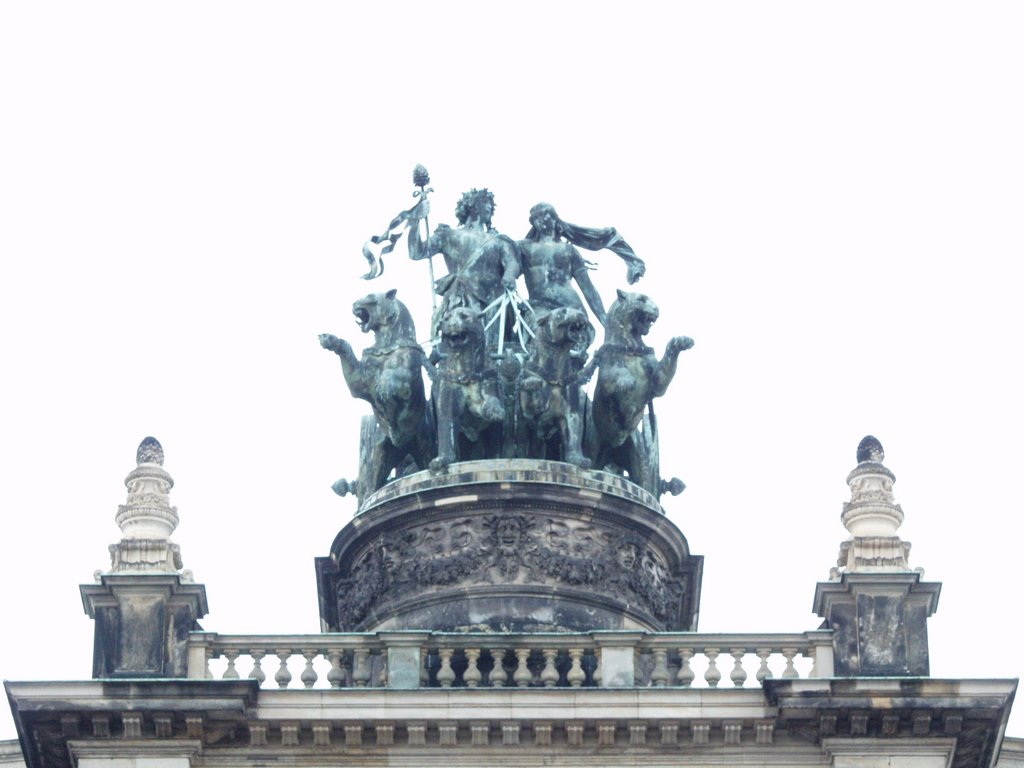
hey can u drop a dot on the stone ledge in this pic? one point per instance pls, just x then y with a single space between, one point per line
469 473
789 723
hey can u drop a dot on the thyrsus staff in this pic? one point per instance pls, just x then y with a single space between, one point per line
393 232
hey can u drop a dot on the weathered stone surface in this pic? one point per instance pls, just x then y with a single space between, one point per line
515 545
142 624
880 622
436 727
875 721
145 606
404 664
147 519
876 604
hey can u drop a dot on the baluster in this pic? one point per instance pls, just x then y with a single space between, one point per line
522 675
206 664
498 674
424 672
231 673
659 675
471 677
549 675
336 676
813 653
257 672
685 675
763 673
446 675
596 676
282 677
576 675
712 675
361 666
738 674
309 675
790 671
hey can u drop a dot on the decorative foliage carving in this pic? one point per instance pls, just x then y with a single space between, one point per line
575 554
358 592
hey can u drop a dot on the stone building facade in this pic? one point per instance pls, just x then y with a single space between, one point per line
512 613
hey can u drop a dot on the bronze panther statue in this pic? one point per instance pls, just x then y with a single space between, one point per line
629 377
467 407
549 402
389 377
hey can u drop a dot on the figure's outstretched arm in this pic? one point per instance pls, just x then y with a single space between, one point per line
418 247
430 364
635 268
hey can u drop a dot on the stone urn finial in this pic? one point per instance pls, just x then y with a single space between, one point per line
871 510
147 518
872 516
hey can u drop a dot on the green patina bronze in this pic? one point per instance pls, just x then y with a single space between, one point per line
508 374
389 377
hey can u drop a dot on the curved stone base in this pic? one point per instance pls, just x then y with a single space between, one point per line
511 546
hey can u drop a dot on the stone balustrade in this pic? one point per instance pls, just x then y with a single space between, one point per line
410 659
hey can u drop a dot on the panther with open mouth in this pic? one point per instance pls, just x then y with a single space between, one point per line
389 377
469 414
549 403
629 377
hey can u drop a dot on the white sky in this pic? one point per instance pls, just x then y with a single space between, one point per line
828 197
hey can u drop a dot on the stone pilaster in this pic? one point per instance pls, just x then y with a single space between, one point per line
875 603
145 605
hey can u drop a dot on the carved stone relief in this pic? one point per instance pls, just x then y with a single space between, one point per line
509 548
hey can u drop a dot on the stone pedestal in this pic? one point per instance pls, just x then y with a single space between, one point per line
142 624
145 606
880 622
510 546
877 606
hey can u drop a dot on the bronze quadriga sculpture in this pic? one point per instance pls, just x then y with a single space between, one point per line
508 374
508 499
